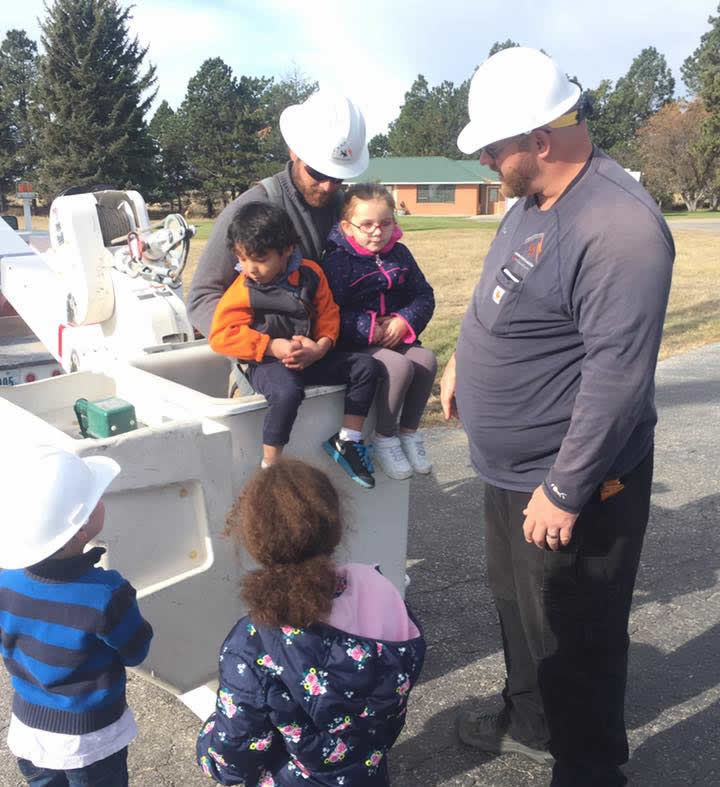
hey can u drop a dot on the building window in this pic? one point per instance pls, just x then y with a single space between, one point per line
436 192
493 196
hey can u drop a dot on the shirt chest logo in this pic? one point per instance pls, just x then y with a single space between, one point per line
528 255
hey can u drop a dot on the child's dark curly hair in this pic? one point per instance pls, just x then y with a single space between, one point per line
259 227
288 518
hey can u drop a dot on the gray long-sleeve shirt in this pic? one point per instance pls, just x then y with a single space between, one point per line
216 269
557 350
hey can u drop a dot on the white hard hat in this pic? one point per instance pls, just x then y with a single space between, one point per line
513 92
47 495
327 132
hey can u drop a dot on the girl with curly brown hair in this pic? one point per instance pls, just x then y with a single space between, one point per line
314 681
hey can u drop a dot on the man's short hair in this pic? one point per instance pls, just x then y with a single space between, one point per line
260 227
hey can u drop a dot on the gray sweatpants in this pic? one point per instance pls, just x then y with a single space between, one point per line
406 385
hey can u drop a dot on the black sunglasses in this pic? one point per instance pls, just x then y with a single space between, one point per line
319 177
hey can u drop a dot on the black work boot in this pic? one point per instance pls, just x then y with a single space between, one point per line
486 731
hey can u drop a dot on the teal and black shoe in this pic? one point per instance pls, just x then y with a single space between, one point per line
354 458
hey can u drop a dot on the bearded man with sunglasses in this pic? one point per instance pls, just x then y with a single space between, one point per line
326 140
553 379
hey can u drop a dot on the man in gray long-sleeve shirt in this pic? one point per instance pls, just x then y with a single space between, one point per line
553 379
326 137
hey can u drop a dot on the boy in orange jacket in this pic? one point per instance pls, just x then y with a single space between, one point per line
279 318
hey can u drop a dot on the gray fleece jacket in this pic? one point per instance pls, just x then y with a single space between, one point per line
216 270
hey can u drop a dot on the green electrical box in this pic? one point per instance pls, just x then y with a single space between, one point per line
105 418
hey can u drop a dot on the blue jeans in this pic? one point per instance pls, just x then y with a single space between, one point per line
110 772
563 618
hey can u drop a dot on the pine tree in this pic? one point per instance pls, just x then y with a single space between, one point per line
430 120
498 46
168 133
379 146
408 135
7 149
92 99
701 73
18 75
647 87
618 113
224 118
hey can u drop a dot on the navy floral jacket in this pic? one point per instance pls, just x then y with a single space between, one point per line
315 706
366 287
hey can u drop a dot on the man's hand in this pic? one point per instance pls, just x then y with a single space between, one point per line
447 390
305 353
394 330
545 523
281 348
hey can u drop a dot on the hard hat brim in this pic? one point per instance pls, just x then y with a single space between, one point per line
14 555
480 133
292 128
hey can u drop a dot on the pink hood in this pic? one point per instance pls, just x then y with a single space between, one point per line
371 607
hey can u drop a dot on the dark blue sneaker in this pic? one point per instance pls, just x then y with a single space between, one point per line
354 458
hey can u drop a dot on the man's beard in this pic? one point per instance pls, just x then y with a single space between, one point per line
518 182
314 196
316 199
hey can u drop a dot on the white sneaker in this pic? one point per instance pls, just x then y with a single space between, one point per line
390 456
413 446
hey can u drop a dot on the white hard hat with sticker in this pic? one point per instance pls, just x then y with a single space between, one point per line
327 132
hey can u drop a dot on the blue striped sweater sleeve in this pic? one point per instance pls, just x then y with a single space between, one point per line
125 630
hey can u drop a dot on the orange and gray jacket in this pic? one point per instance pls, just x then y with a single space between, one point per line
250 315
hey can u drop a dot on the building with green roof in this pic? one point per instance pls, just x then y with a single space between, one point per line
435 185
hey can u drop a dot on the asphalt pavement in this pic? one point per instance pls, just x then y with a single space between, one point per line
699 225
673 699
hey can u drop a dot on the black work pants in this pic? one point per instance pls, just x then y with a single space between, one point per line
564 618
284 388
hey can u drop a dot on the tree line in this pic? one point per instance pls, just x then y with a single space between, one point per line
77 115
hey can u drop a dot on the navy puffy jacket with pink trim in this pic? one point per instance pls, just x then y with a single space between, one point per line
367 287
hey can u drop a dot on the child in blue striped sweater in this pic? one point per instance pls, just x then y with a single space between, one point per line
68 628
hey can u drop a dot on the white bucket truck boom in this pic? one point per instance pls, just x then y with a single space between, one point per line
103 284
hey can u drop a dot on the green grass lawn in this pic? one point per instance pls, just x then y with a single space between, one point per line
424 223
418 223
696 214
408 224
202 227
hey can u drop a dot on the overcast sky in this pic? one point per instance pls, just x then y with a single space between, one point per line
372 50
